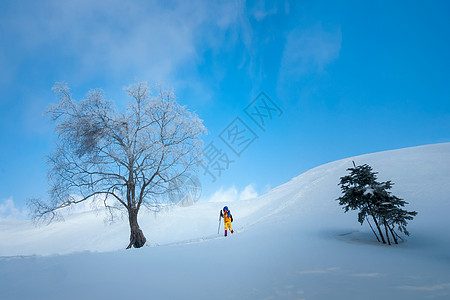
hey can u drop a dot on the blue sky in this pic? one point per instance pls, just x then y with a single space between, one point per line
347 77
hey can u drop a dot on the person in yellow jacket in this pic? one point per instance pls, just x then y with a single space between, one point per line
227 219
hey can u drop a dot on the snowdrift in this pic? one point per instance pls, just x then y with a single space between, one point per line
294 242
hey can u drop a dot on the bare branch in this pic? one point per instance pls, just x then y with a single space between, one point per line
130 158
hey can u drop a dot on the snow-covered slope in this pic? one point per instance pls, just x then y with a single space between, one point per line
294 242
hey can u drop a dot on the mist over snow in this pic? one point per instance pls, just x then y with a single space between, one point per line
294 242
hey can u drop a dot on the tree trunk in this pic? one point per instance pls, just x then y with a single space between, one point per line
393 234
137 238
373 230
379 229
387 234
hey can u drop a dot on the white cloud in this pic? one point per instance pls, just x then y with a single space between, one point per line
263 9
309 51
147 39
224 195
8 210
232 194
428 288
249 192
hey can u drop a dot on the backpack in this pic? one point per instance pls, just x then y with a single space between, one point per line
231 216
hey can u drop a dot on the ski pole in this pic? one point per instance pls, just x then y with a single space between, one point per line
218 229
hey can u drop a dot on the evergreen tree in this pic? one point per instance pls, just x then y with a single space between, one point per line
361 191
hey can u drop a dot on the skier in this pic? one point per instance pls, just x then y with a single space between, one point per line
227 219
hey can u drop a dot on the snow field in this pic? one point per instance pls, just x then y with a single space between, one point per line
294 242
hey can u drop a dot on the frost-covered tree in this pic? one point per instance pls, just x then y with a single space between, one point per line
126 158
361 191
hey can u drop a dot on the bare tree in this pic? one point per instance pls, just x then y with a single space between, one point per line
129 157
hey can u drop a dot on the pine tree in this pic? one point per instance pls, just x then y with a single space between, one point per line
361 191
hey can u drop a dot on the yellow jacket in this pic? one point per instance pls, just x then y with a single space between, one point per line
227 217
